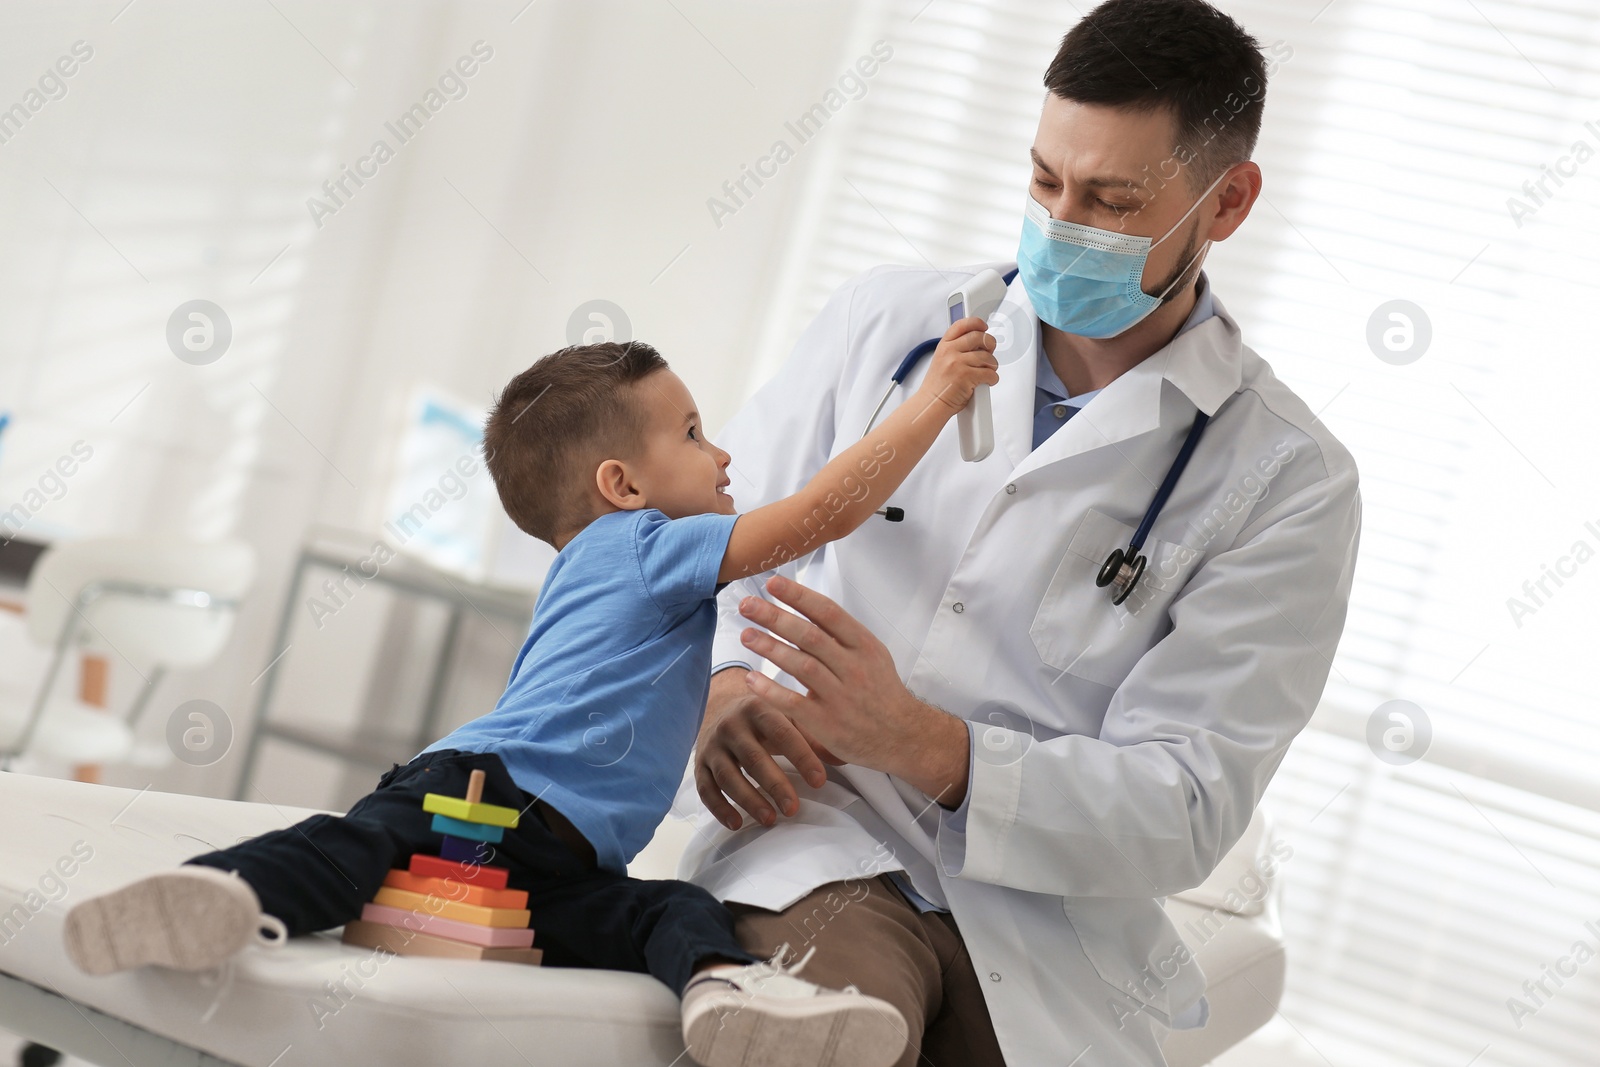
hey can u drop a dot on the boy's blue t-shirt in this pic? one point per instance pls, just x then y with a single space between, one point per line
605 699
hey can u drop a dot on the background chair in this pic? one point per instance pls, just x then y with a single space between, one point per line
155 604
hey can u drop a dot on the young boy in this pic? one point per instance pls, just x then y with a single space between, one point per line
598 450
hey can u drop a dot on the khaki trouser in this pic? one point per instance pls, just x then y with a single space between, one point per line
868 935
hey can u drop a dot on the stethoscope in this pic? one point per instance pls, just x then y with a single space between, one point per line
1124 566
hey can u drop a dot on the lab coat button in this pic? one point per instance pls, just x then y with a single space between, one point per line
958 607
994 976
1011 489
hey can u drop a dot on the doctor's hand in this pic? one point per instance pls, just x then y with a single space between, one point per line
855 709
963 360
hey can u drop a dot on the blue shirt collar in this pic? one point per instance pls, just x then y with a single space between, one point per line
1049 382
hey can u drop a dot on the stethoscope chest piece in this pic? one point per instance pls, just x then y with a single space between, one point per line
1123 568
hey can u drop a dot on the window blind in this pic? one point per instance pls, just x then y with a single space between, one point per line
1419 150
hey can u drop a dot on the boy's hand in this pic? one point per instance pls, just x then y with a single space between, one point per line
963 361
733 760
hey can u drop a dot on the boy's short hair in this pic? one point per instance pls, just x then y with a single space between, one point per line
554 423
1181 55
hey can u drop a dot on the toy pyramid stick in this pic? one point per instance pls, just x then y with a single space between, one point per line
490 818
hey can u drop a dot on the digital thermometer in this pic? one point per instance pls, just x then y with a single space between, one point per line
975 423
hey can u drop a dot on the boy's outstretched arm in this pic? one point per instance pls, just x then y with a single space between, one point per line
857 481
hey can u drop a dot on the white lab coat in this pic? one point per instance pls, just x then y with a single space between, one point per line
1118 751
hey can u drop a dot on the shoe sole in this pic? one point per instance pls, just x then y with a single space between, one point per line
189 919
853 1031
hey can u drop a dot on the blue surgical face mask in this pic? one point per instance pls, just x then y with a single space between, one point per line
1086 281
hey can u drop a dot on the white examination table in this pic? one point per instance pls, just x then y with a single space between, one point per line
280 1007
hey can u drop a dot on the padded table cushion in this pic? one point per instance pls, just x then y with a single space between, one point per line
401 1011
317 1001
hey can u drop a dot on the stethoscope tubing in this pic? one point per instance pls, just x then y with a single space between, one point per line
1170 482
913 357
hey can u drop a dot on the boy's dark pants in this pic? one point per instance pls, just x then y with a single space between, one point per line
318 874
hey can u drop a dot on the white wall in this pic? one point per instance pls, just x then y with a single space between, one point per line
178 165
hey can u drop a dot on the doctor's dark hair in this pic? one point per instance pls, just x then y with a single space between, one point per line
1183 56
556 422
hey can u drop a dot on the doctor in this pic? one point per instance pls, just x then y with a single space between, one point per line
994 773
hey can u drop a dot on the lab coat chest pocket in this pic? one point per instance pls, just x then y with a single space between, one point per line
1079 631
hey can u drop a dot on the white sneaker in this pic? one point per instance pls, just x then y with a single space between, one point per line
761 1014
190 919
